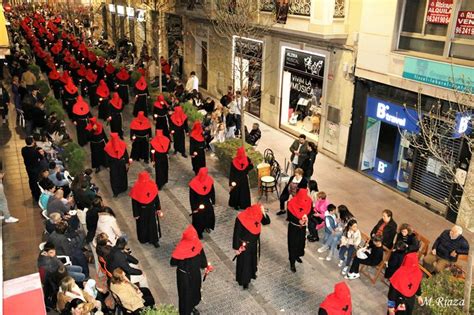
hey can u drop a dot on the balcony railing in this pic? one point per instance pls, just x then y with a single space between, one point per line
296 7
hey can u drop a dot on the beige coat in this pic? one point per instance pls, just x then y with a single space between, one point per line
130 296
28 78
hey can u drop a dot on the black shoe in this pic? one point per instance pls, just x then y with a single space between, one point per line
156 244
200 236
184 155
246 286
195 311
293 268
236 208
207 230
97 170
299 260
281 212
175 152
115 195
311 238
147 162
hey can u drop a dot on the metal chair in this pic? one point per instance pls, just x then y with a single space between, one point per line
268 156
269 183
44 213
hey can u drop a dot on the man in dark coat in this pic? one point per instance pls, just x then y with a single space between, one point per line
299 151
189 258
160 145
31 158
239 181
202 197
246 242
146 209
118 162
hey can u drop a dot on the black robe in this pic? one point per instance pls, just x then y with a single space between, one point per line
179 136
141 103
188 277
68 101
141 144
56 86
203 218
103 108
98 155
240 194
81 123
296 237
91 91
398 298
162 120
84 86
247 261
122 90
148 223
116 120
161 168
199 160
118 173
109 80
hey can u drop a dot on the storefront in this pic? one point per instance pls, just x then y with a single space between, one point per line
248 65
302 88
385 120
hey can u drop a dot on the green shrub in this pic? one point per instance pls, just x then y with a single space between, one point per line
226 151
53 105
161 309
74 156
35 69
43 88
192 112
99 52
134 76
442 286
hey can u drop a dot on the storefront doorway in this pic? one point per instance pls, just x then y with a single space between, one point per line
302 92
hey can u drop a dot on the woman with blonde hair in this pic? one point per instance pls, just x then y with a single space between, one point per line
131 297
69 290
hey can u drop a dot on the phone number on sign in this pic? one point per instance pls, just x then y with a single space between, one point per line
464 30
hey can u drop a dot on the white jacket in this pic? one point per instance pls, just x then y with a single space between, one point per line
352 238
108 224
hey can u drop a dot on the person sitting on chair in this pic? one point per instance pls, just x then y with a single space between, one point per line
254 135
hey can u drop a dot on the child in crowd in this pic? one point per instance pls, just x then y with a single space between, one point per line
351 239
330 221
371 255
314 220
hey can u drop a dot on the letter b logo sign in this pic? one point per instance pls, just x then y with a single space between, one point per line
463 124
381 167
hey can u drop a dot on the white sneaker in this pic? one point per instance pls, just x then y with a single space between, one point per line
2 217
328 258
341 262
344 270
352 276
11 220
322 249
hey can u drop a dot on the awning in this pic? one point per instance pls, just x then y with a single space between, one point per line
4 42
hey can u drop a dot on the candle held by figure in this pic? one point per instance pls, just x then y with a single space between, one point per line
201 207
130 160
234 184
153 151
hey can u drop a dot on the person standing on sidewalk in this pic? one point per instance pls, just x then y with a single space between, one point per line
4 204
299 151
140 134
299 209
308 163
97 140
123 81
118 163
32 158
160 146
161 116
239 180
81 115
295 182
197 146
141 97
246 242
179 127
202 198
103 94
115 112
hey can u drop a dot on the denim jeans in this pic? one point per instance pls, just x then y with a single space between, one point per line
331 242
349 250
76 273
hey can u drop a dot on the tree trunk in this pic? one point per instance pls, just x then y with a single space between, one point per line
468 281
242 109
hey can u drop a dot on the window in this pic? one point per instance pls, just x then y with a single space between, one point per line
295 7
438 27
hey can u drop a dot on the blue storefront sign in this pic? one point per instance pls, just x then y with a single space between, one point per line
441 74
463 124
404 118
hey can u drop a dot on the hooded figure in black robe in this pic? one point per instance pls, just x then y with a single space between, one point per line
161 116
246 242
141 97
69 96
339 302
103 94
239 181
115 112
109 75
54 83
140 133
81 115
197 146
97 140
189 258
179 128
299 209
160 146
123 81
146 209
202 197
118 162
91 81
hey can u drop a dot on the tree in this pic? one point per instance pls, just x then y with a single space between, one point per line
234 21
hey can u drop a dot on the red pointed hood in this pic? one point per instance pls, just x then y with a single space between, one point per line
91 77
103 89
82 47
65 77
91 57
196 132
116 101
189 246
93 122
160 142
407 278
300 204
56 49
68 58
82 71
81 107
160 102
202 182
54 74
75 43
140 122
240 160
116 147
251 218
110 68
145 189
70 87
178 117
74 64
100 62
339 302
123 74
141 84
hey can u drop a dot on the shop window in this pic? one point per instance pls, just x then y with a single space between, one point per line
425 24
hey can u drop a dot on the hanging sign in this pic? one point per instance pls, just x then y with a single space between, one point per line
463 124
439 11
121 10
465 23
140 15
111 8
130 12
304 62
404 118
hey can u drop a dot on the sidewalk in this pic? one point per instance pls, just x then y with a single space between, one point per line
364 197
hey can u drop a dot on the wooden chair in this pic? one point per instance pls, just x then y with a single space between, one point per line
379 269
422 252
